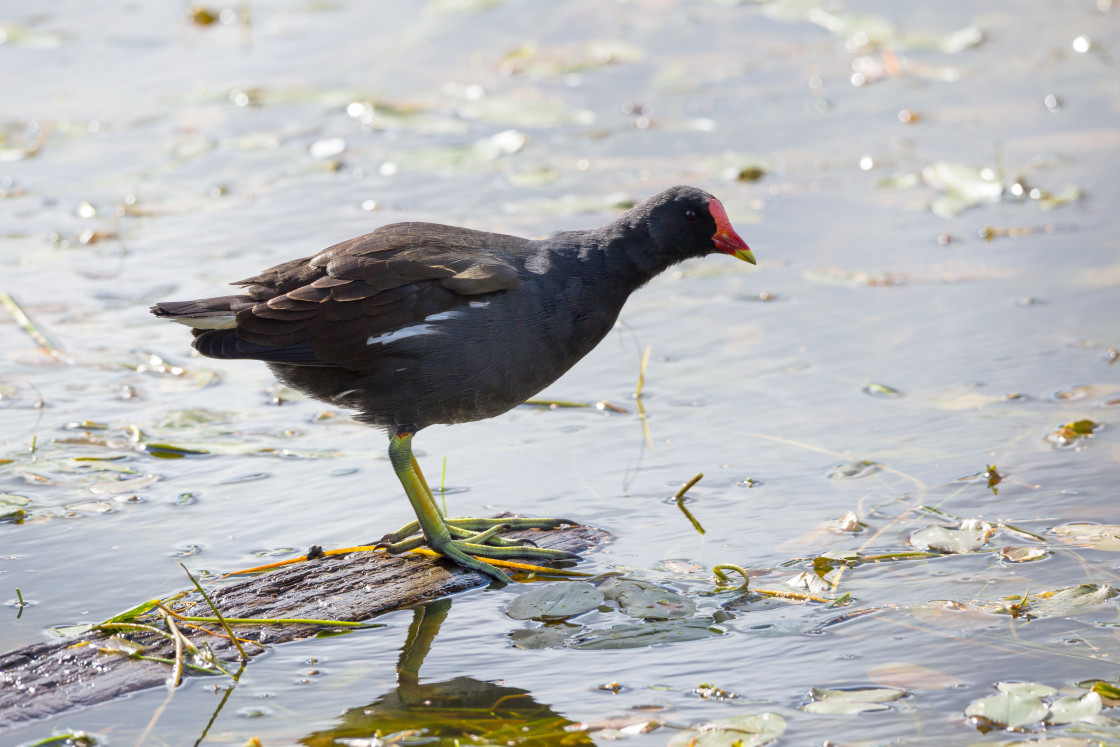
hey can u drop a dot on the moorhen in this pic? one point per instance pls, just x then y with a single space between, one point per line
418 323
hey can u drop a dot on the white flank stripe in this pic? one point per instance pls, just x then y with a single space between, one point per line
207 322
417 329
400 334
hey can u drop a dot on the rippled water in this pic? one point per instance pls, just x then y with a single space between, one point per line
880 358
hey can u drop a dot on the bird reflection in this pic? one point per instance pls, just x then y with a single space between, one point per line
461 708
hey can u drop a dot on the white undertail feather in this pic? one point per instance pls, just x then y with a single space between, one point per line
206 322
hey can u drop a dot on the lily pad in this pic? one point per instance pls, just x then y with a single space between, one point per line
555 601
549 636
1071 708
646 600
639 635
749 730
1009 709
11 499
856 700
858 695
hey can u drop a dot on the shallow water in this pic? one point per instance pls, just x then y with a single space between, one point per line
204 154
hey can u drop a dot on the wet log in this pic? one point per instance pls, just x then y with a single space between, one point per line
51 678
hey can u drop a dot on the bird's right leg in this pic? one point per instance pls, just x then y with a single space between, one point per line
442 537
476 530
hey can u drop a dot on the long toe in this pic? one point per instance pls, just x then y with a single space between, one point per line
490 551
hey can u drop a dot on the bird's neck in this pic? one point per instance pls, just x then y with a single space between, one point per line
625 254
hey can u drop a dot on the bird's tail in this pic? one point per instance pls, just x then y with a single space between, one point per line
205 313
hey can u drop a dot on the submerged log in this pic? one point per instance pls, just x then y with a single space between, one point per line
50 678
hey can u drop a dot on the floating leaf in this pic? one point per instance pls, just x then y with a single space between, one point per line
1095 536
116 487
1071 708
858 695
1036 689
11 499
555 601
1023 554
1070 432
962 186
809 582
856 700
849 522
639 635
738 731
548 636
12 513
1109 692
944 539
646 600
91 507
1008 709
1064 602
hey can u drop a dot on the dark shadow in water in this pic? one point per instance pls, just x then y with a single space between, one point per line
461 707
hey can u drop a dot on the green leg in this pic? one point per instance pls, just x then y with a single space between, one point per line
443 536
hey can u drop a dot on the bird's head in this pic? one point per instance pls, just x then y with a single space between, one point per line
689 222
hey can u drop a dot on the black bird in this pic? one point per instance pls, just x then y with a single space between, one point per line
418 323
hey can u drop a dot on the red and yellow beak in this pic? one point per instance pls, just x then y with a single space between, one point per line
725 238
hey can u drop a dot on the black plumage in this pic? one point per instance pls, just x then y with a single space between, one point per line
416 324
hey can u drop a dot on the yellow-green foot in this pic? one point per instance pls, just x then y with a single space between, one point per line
460 538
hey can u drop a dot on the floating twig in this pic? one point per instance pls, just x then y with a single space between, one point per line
28 326
678 498
177 637
684 488
638 397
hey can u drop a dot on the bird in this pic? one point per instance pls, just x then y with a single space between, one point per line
417 324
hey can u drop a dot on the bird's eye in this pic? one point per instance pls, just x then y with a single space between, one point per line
690 214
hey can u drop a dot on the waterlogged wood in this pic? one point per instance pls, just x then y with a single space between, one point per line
50 678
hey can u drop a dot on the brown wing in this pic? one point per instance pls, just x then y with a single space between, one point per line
322 309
